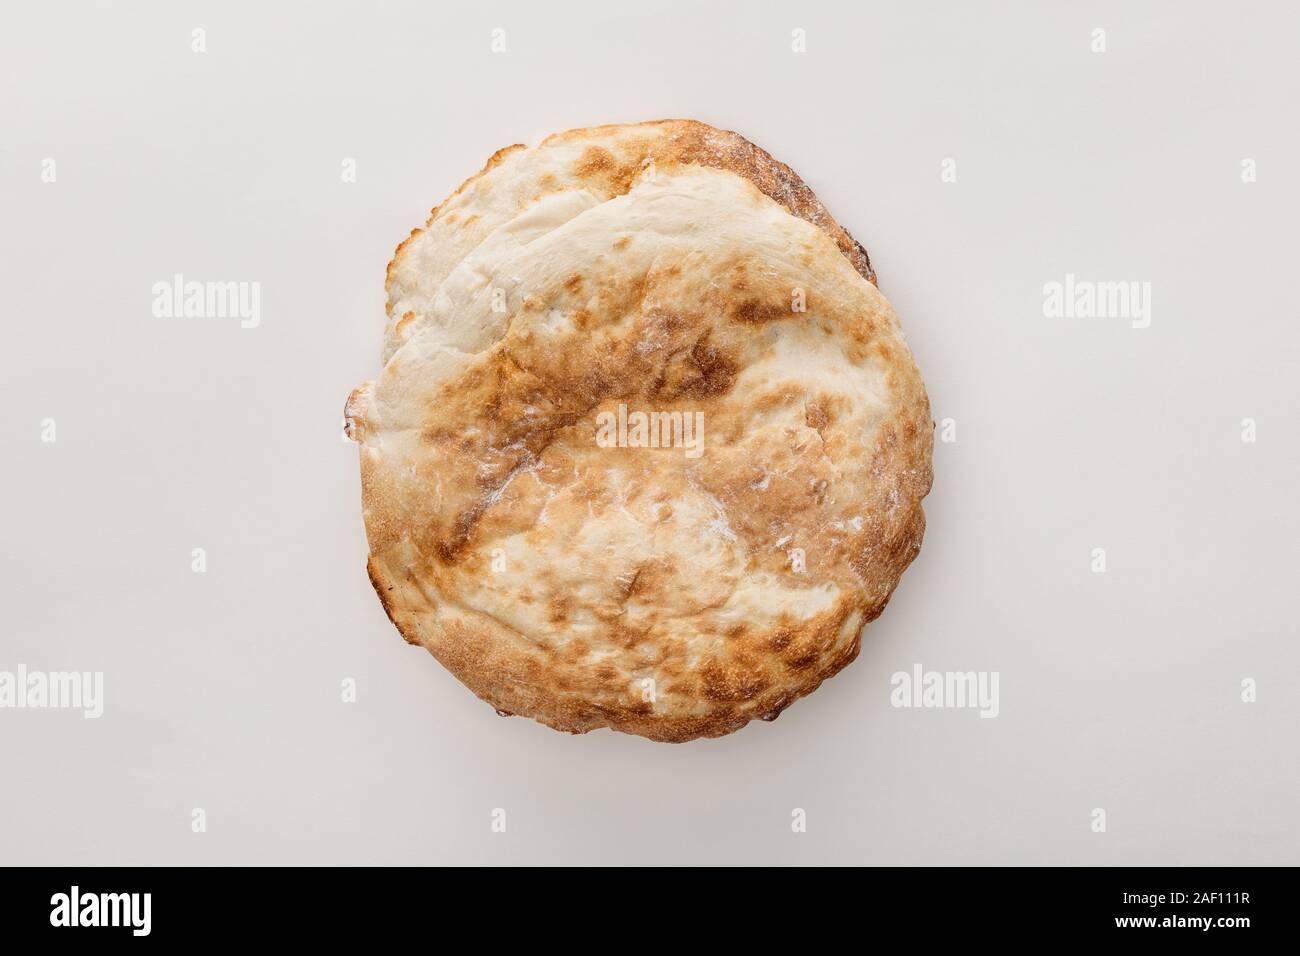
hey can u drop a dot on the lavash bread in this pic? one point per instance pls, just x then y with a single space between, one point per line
673 593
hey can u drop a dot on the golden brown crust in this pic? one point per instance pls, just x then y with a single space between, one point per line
672 142
620 565
686 141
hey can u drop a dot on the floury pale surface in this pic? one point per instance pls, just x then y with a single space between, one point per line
1113 528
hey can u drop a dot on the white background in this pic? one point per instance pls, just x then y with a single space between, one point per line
1119 690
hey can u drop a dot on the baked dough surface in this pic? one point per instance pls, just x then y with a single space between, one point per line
518 529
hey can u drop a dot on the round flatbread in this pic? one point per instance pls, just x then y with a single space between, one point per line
648 447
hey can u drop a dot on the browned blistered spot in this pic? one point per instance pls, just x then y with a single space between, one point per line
575 650
803 660
661 325
450 547
622 292
816 417
735 680
780 640
438 435
599 164
628 638
559 607
700 372
754 311
593 160
777 397
573 283
717 369
651 578
622 242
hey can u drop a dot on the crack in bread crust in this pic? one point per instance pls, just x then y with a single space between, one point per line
642 589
